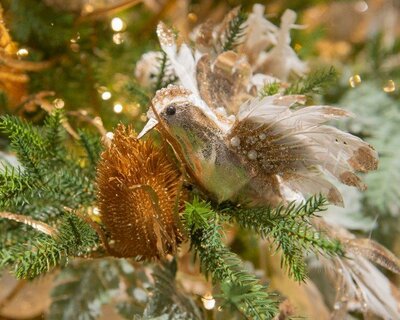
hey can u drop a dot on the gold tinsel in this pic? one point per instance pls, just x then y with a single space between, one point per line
12 81
139 194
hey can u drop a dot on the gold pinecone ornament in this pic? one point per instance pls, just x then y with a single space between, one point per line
140 196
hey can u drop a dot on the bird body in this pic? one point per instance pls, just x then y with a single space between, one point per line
261 149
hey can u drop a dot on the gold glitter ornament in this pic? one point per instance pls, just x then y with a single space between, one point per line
139 197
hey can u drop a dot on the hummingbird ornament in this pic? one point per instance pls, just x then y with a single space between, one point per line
240 147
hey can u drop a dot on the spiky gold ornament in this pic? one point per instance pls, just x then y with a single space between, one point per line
139 194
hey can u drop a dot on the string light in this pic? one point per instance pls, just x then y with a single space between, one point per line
110 135
355 80
96 211
23 52
361 6
208 301
118 38
106 95
192 17
117 24
118 108
390 86
59 103
76 38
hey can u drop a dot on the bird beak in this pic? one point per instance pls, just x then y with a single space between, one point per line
149 125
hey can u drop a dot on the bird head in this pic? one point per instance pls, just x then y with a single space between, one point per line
179 111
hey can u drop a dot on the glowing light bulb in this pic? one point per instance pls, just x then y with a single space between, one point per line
390 86
23 52
117 24
192 17
106 95
355 80
96 211
110 135
208 301
59 103
118 108
118 38
361 6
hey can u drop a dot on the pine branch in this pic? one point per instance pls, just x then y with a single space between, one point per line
26 141
36 29
28 260
92 145
54 134
235 31
270 89
224 266
313 83
138 94
164 76
12 182
291 231
52 177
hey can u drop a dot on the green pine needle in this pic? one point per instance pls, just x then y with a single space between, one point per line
235 31
203 225
40 255
291 231
314 83
270 89
138 94
164 78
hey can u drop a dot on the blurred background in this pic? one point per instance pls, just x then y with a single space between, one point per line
82 55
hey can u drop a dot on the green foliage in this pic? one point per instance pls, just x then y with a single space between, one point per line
167 301
36 24
49 180
12 182
270 89
26 141
204 228
93 147
58 177
234 32
290 230
313 83
138 94
30 259
164 77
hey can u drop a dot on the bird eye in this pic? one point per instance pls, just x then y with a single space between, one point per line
170 110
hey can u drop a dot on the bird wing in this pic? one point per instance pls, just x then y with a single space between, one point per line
298 147
182 59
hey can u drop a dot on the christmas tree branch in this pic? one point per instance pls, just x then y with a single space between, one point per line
291 230
313 83
74 237
234 31
240 289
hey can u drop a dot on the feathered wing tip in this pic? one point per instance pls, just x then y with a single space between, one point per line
182 59
360 285
299 148
223 82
